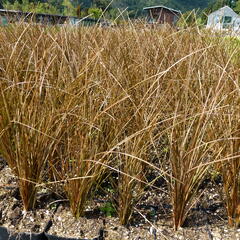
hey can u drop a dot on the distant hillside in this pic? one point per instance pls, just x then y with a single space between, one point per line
182 5
190 4
135 7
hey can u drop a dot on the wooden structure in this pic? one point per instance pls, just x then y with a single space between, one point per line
162 15
12 16
16 16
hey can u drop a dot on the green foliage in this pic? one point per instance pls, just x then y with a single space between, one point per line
192 19
237 7
108 209
182 5
95 12
187 19
69 9
213 6
103 4
134 8
28 6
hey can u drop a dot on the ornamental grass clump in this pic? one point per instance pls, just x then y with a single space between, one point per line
135 118
79 103
191 99
230 169
31 120
225 127
89 135
226 130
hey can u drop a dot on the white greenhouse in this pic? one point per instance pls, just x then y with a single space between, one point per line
224 19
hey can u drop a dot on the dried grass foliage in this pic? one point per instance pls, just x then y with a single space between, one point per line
78 103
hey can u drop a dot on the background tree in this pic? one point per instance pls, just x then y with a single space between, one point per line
29 6
103 4
69 9
237 6
134 7
95 12
78 11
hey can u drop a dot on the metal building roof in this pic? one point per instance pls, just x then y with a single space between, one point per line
161 6
43 14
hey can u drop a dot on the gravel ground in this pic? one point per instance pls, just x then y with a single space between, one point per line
205 222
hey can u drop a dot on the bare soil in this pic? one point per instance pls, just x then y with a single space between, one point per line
206 221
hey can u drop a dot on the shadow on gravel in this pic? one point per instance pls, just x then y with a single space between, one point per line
5 234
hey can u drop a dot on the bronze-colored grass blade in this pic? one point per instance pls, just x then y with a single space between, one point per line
79 103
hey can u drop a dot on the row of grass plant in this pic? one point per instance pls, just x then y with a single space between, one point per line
79 103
